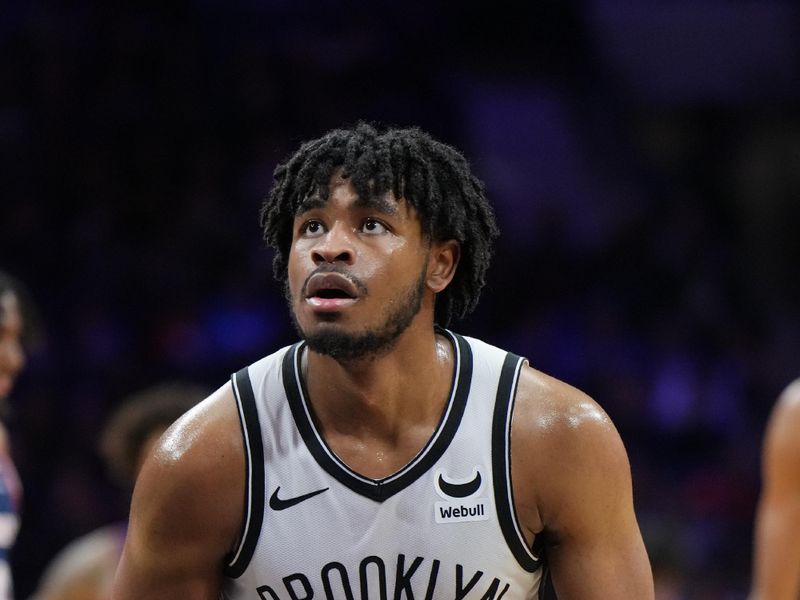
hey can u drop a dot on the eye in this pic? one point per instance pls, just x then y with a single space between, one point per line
312 228
373 226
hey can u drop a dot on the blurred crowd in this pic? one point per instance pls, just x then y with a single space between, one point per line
642 160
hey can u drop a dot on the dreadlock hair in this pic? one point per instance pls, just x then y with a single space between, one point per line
433 177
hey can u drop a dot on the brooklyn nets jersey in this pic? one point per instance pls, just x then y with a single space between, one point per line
443 526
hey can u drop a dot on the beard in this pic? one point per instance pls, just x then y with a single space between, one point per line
350 346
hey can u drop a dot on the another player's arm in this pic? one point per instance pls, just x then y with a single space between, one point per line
187 507
776 563
572 484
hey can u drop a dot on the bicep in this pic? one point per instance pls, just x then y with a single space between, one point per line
617 570
581 485
163 560
185 515
597 549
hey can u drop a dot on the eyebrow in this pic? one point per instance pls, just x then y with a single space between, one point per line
380 203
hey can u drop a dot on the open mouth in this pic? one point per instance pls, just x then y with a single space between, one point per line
330 286
331 293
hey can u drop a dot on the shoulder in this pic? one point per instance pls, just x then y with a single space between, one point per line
782 441
565 447
784 420
206 436
188 506
195 473
788 404
557 414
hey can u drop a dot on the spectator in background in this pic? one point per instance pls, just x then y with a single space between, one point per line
84 570
15 311
776 564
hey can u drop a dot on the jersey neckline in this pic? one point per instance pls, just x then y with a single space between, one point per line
380 489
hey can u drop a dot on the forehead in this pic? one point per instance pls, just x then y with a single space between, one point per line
341 190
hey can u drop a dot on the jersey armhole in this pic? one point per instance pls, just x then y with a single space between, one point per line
254 475
501 464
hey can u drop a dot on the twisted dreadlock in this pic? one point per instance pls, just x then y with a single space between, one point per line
433 177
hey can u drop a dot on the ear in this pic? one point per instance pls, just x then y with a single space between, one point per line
442 263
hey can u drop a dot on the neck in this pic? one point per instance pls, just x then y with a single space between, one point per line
382 396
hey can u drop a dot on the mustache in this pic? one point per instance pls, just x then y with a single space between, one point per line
360 285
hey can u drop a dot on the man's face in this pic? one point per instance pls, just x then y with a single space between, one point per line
12 357
356 272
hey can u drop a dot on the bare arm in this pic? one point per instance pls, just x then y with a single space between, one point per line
576 491
776 565
187 508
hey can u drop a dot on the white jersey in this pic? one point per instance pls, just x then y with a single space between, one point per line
442 527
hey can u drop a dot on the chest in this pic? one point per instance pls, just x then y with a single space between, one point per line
438 523
429 530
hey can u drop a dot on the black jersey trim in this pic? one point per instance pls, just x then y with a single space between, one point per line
254 473
380 489
546 589
501 463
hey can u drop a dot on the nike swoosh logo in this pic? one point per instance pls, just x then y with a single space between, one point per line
276 503
460 490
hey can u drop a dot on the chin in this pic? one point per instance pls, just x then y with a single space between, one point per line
345 347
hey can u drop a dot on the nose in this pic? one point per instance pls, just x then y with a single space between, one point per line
334 246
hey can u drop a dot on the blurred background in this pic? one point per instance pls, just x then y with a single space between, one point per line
643 158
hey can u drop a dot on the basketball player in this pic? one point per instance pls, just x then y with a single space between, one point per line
776 573
12 360
84 569
384 456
